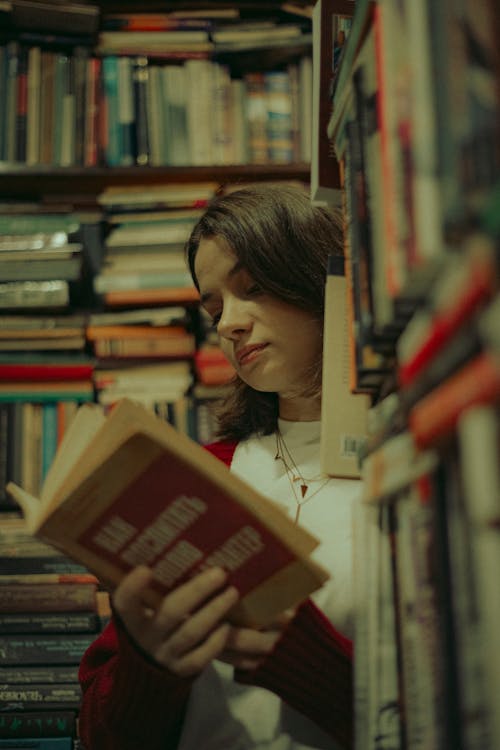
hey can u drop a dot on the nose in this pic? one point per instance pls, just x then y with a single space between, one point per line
235 319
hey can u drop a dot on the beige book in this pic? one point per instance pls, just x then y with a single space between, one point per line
343 413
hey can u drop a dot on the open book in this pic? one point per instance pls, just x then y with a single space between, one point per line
127 489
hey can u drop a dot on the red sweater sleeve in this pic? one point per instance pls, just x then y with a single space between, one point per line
128 702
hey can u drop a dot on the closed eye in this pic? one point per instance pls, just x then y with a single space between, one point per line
215 320
254 290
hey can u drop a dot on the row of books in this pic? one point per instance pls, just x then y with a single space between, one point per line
387 128
71 108
38 402
55 259
51 609
165 34
414 125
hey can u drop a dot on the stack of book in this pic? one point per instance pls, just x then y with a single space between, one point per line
50 611
162 386
41 258
148 226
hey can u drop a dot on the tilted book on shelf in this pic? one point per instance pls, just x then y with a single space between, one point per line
196 514
344 414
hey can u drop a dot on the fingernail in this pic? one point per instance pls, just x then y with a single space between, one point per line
217 575
232 593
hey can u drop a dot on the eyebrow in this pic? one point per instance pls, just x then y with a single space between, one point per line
232 272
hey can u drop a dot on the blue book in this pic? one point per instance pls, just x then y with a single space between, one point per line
112 147
38 743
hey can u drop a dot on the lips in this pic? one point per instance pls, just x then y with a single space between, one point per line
247 353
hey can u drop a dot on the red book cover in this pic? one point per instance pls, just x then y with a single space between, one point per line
39 371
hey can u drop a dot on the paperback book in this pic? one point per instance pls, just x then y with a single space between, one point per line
128 489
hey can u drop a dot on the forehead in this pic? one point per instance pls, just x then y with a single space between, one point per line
214 260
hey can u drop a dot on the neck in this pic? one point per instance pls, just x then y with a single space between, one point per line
300 409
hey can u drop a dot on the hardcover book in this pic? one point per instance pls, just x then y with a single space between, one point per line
128 489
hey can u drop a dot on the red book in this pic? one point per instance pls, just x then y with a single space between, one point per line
39 371
436 416
479 288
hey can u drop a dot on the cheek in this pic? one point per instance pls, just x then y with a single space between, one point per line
227 349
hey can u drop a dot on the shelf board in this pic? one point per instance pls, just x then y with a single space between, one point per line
32 182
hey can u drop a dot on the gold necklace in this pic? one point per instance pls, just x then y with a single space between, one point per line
295 476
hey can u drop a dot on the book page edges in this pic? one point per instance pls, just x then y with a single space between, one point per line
129 420
29 505
285 589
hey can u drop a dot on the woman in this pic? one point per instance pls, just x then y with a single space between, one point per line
182 677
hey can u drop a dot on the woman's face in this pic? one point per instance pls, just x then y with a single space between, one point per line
274 346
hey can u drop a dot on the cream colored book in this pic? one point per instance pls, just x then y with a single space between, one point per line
343 413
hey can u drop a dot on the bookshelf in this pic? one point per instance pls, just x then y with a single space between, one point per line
56 159
62 184
418 149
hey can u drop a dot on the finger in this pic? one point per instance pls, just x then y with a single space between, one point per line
238 661
250 642
188 597
281 621
128 597
197 659
198 627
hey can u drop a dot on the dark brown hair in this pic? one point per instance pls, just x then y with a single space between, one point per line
283 241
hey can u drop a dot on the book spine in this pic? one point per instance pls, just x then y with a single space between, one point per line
22 104
91 126
156 128
42 743
68 116
113 148
68 622
38 724
279 134
80 56
50 597
126 119
49 436
436 415
140 77
419 628
18 564
33 116
175 115
3 97
43 649
5 501
256 117
12 63
42 675
30 697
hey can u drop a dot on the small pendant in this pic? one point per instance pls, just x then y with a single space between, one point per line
303 489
